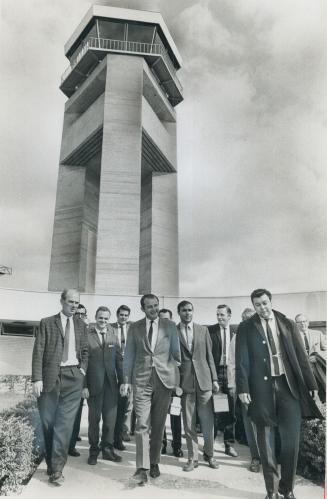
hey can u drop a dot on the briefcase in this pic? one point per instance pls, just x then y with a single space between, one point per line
220 402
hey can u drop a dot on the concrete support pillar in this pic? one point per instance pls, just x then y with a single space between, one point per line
117 261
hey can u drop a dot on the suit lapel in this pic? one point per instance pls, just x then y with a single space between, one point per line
59 325
258 325
196 337
144 334
95 335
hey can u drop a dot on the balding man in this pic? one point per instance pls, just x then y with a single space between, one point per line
59 365
313 341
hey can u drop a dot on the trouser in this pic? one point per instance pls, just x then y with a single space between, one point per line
250 433
200 402
121 412
77 425
225 420
151 404
288 414
58 409
176 431
104 405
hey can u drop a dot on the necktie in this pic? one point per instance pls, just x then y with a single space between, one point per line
122 337
224 348
66 342
272 348
102 337
150 333
307 347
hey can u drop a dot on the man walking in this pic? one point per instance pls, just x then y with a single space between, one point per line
221 335
274 380
58 368
198 381
151 354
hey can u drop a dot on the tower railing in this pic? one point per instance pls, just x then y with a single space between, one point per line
124 46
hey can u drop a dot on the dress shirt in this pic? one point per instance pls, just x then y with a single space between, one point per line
155 329
189 336
231 364
275 333
119 326
72 359
100 334
222 345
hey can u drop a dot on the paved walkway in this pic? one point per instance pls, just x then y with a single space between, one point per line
110 480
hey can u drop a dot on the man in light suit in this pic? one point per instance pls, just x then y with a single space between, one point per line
313 341
125 404
274 380
198 381
59 365
221 335
151 354
104 373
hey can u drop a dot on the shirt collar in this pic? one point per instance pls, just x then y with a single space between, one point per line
190 325
100 332
155 321
64 317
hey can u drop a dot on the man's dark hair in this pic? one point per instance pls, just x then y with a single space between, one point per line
102 309
123 307
81 306
166 311
149 296
226 307
183 303
257 293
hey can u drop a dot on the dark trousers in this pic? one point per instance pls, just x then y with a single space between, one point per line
176 431
288 413
225 420
77 426
122 405
151 404
104 405
57 411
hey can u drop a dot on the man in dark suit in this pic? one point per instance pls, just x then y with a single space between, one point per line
104 374
274 380
198 381
221 335
125 404
151 354
58 368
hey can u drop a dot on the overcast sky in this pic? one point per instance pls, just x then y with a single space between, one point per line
251 140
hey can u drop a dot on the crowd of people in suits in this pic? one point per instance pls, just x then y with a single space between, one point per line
125 368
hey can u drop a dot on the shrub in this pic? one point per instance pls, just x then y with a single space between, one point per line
21 444
311 463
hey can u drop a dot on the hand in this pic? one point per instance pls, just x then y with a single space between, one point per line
82 371
312 359
85 393
314 394
125 389
232 391
245 398
215 387
38 388
178 391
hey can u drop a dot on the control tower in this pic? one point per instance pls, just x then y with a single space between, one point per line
116 225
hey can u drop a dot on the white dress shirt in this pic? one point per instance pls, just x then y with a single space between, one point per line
155 329
119 326
188 336
101 334
222 363
72 359
275 333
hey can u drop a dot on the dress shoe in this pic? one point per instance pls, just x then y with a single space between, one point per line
73 452
49 471
287 495
178 453
119 446
164 449
190 465
110 455
230 451
140 476
57 478
126 437
213 463
255 466
92 460
154 471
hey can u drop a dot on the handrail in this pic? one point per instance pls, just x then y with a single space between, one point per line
123 46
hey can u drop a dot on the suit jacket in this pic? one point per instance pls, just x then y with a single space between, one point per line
139 359
317 341
215 336
199 364
48 349
104 361
253 373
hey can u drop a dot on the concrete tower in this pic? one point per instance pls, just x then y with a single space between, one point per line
115 227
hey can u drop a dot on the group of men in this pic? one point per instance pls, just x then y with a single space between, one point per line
141 364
